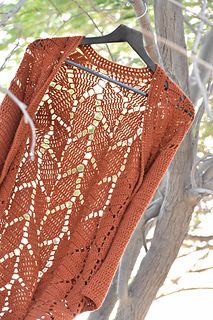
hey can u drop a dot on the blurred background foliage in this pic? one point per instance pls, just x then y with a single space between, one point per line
49 18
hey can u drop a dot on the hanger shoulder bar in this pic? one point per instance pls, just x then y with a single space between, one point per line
106 77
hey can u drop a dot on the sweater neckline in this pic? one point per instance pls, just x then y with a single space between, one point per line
95 58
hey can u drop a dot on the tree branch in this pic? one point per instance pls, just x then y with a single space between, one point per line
8 56
204 174
27 118
95 24
196 70
189 25
197 237
181 290
197 191
12 12
205 73
200 16
195 130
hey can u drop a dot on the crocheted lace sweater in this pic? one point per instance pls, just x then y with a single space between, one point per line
101 152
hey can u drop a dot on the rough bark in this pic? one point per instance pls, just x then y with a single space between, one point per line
169 25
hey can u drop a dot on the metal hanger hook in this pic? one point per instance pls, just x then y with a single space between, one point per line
143 14
130 2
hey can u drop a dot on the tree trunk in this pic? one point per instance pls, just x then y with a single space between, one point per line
178 205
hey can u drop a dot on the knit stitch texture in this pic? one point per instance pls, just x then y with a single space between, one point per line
101 153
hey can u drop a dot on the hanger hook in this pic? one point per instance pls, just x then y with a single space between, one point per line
143 14
130 2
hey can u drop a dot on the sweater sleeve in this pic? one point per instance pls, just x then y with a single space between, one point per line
10 113
181 117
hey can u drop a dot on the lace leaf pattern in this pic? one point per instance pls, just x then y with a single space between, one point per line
96 142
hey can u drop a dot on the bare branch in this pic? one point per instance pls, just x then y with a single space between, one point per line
181 290
189 24
9 56
201 270
199 173
200 238
27 118
204 173
59 13
193 238
200 29
197 191
203 90
12 12
88 15
200 16
95 24
196 71
196 125
205 73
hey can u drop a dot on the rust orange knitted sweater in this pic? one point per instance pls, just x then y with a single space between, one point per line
101 152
